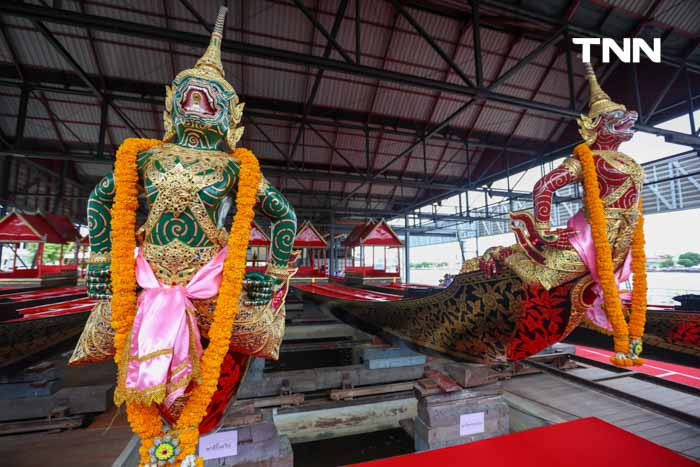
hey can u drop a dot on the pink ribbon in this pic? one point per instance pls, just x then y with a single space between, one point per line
165 332
583 244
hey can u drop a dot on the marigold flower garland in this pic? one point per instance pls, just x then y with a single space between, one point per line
638 312
626 338
145 419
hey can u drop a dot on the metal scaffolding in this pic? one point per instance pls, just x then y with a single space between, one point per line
355 108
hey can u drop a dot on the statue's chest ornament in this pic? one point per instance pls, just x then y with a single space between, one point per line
178 188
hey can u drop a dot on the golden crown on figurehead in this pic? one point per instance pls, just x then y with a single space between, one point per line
210 68
598 103
209 65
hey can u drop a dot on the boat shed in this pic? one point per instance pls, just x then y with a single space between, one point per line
312 263
410 128
20 230
258 249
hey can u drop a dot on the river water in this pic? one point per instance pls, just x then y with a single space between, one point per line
662 285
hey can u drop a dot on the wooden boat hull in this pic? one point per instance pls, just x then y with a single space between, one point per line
42 327
405 290
22 338
676 331
477 319
12 304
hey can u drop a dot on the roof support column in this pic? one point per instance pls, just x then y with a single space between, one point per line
21 117
477 43
61 185
407 250
331 247
691 107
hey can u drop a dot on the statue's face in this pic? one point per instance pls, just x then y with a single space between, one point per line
616 126
201 113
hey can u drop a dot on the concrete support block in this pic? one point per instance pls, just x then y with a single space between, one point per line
441 419
325 378
70 401
391 357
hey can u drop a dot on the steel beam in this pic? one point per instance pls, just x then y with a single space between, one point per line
317 80
435 46
528 59
476 34
409 149
357 32
570 70
691 107
56 44
330 37
21 118
193 11
334 149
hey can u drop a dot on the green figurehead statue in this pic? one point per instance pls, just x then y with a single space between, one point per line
186 183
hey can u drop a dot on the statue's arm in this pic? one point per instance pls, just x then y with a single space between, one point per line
99 214
567 173
275 206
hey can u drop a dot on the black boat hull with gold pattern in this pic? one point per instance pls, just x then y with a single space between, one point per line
477 318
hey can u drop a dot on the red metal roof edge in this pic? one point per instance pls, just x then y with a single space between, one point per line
255 226
383 222
308 225
62 225
355 234
43 230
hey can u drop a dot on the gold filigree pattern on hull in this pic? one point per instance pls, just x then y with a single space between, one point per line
474 319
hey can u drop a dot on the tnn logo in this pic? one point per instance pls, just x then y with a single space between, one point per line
629 52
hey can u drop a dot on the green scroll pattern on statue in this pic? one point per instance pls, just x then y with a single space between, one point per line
97 277
275 206
178 183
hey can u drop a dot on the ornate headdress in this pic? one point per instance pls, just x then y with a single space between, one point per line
209 68
209 65
598 103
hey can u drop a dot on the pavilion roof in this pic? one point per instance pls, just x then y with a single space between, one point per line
258 237
309 237
23 227
373 233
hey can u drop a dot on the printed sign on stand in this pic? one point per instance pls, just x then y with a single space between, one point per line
218 445
471 423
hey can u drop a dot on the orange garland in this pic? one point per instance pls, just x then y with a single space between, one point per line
638 313
145 419
626 338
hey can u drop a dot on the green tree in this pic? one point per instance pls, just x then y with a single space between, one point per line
667 262
689 259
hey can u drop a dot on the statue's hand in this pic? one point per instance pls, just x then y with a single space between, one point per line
99 281
492 262
259 288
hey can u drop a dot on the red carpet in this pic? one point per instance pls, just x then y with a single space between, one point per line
677 373
588 442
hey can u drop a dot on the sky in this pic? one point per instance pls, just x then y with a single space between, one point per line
667 233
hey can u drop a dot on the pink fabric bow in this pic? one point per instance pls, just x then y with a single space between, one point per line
583 244
165 343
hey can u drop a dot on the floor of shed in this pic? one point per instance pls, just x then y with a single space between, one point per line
567 400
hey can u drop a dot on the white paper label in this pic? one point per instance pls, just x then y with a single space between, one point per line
218 445
471 423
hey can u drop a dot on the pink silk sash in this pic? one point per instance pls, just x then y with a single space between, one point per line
165 343
583 244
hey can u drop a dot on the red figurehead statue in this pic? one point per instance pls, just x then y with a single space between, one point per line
547 257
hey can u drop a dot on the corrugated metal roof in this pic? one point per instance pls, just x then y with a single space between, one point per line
387 40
